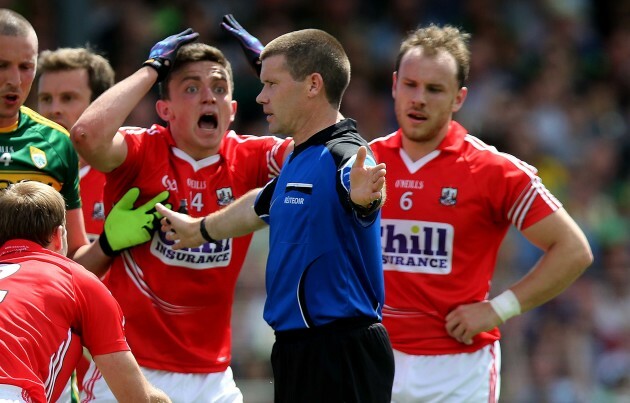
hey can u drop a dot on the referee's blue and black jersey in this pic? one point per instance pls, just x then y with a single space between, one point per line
324 260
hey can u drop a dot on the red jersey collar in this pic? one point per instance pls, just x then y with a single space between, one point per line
20 245
454 138
452 142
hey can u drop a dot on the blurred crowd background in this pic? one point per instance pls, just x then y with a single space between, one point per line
549 83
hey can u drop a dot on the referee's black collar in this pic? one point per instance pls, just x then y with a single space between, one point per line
321 137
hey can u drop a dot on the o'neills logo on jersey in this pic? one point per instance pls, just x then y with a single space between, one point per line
409 184
208 256
417 246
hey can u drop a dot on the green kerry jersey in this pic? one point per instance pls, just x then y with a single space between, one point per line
41 150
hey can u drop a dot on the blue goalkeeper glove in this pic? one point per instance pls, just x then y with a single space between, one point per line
250 44
126 227
162 55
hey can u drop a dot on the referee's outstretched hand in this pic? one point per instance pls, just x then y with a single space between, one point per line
180 228
366 182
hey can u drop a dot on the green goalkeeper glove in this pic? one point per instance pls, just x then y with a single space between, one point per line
126 227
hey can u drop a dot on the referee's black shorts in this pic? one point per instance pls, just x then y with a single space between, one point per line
349 360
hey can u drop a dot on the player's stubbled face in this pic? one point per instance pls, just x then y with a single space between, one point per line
426 94
200 108
282 97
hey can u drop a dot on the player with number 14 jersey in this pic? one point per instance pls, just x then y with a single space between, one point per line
175 301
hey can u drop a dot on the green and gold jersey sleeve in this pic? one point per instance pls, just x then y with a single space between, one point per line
41 150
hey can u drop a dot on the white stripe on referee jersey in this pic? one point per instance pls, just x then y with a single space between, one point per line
297 297
54 367
137 276
518 211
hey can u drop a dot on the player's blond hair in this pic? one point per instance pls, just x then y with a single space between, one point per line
435 38
30 210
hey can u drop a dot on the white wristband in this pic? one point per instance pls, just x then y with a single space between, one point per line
506 305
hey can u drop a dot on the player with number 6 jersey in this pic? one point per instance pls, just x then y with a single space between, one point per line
451 200
445 211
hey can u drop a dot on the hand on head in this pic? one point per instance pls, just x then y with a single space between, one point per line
163 53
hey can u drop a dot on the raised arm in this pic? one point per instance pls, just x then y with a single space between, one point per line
238 219
566 255
95 135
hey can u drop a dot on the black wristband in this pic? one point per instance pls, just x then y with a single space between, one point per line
366 211
106 247
160 65
204 231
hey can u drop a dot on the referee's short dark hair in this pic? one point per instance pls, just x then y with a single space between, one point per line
314 51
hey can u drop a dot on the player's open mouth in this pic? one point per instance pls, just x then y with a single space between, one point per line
11 98
208 122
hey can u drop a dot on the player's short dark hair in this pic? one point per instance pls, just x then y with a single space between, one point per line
314 51
30 210
100 72
196 52
14 24
434 38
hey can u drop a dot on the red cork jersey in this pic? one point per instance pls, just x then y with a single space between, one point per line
92 185
441 228
178 304
49 307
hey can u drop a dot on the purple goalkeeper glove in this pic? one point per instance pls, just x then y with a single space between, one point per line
250 44
162 55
